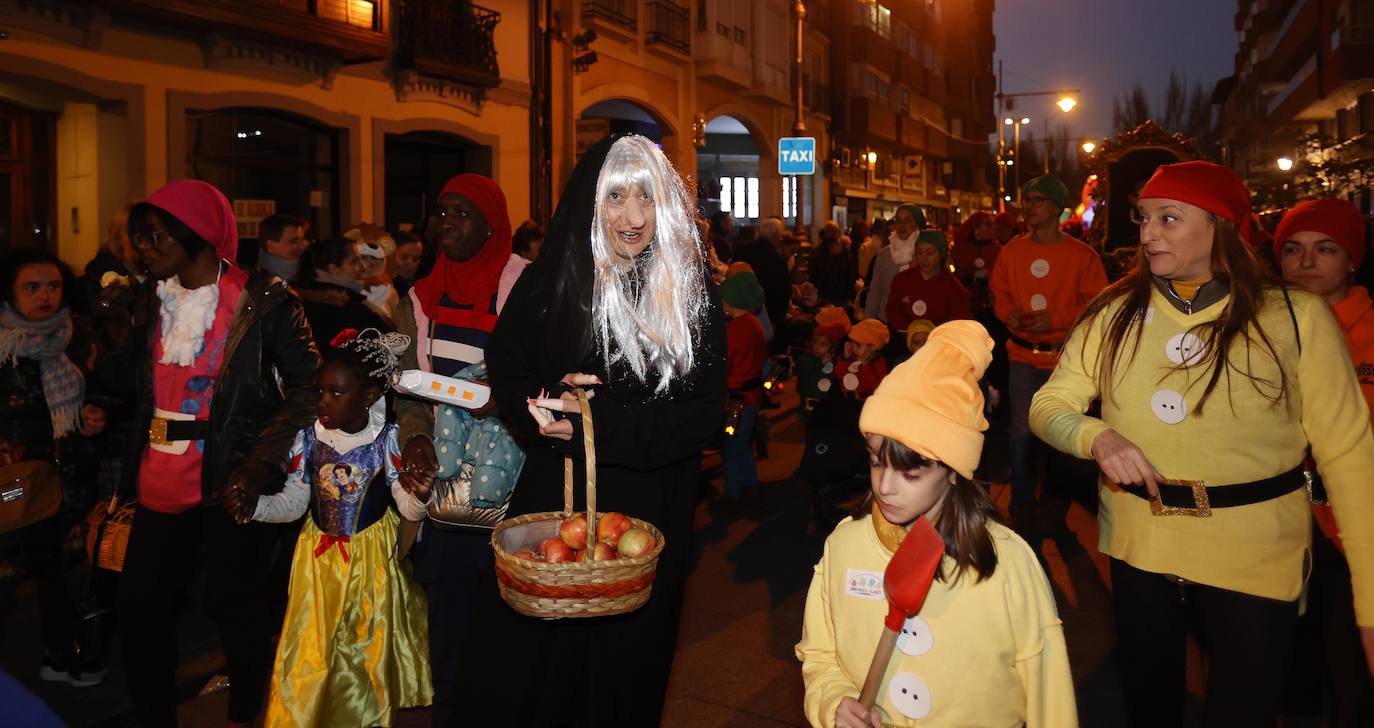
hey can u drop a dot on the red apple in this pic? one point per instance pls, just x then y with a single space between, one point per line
555 550
611 526
573 531
526 554
604 552
635 543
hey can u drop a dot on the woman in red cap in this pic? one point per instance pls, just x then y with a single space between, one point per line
1320 244
1215 382
449 316
207 423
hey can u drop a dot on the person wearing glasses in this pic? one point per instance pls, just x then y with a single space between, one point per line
1040 283
208 420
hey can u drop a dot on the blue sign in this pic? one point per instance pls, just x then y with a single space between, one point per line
797 155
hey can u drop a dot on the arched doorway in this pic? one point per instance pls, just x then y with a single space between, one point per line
728 171
418 164
267 161
616 116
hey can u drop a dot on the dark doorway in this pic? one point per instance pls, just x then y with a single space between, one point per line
417 166
266 155
28 187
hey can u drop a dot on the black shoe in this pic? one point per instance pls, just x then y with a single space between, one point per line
72 672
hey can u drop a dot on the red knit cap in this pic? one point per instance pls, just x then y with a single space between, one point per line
204 209
1339 219
1212 187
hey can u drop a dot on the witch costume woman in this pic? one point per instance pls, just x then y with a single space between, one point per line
645 320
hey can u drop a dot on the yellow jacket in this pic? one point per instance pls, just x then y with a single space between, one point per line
989 653
1259 549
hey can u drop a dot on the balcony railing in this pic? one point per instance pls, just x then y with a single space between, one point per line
352 29
624 13
668 23
449 40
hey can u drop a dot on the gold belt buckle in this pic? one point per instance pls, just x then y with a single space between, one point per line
1202 507
157 431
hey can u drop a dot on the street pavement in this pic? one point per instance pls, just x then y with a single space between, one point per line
742 616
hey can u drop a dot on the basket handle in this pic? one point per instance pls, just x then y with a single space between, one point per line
589 444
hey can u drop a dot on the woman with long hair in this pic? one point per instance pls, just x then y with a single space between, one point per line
619 300
1215 380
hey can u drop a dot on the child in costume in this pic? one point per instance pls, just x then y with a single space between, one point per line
862 366
987 647
354 642
746 353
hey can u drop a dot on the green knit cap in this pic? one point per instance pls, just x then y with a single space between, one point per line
937 239
1049 186
742 290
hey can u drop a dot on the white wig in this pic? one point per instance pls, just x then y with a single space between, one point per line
648 312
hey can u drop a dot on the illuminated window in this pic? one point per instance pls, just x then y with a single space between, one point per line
753 197
724 194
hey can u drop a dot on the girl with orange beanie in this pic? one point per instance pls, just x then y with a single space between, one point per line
1215 382
987 647
1320 244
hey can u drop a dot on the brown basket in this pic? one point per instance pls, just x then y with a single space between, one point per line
107 537
583 588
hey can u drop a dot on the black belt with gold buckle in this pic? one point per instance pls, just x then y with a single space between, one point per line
1195 498
1039 347
162 431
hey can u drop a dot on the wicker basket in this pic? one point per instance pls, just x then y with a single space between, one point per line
107 537
583 588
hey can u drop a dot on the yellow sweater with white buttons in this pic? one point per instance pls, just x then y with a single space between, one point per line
1259 549
989 653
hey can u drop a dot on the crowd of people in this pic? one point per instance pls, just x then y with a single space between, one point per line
245 400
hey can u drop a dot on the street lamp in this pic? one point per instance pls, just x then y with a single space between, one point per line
1089 147
1067 102
1285 164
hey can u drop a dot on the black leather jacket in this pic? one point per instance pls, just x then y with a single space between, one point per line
264 394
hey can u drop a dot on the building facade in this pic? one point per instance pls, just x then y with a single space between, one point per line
344 111
1303 93
338 111
912 106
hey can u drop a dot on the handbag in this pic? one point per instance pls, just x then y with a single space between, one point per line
107 535
451 506
479 464
30 491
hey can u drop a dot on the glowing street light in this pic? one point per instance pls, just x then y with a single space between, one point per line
872 158
1008 121
1285 164
1025 121
1066 104
1089 147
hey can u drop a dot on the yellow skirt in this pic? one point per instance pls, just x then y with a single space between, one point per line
355 642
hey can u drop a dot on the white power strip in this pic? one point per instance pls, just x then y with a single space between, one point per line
447 390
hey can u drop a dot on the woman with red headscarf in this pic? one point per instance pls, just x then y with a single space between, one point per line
449 315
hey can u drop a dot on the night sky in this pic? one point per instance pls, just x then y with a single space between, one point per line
1103 47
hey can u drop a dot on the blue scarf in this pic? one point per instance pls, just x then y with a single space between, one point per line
46 342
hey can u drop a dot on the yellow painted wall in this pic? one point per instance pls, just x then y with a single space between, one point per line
93 143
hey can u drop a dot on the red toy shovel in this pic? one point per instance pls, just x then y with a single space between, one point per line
906 581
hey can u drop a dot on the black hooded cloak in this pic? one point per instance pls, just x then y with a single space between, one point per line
524 671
